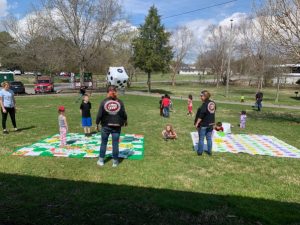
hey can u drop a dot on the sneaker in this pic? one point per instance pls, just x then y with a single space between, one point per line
16 129
5 132
100 162
115 163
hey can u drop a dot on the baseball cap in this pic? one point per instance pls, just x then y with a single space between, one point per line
61 108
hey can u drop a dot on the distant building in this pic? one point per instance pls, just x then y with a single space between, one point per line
291 76
190 70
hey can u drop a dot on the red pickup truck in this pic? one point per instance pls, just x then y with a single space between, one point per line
44 84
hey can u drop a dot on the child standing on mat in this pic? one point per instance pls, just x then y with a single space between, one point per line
85 110
169 133
63 126
190 105
243 118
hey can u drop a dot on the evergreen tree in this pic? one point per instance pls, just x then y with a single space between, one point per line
152 52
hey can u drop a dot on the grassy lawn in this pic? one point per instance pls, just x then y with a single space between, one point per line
287 96
170 186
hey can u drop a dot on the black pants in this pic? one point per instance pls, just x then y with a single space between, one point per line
12 114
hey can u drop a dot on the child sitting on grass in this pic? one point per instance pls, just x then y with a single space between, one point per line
219 127
63 126
169 133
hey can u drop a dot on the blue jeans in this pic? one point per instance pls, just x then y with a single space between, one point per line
115 134
166 111
259 105
205 132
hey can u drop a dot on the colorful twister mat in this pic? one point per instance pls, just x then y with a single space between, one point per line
78 146
250 144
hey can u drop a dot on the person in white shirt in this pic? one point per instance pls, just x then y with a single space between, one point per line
8 106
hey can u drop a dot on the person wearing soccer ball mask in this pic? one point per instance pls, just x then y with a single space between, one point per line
112 116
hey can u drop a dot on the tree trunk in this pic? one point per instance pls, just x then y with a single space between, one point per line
149 82
82 71
173 79
277 91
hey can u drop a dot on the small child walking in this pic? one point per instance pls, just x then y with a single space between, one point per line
63 126
85 111
243 118
169 133
190 105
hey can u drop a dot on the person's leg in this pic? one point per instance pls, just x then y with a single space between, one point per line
105 131
4 118
167 111
88 130
63 136
209 140
115 142
12 114
201 134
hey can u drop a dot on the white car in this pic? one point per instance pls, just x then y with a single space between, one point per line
17 72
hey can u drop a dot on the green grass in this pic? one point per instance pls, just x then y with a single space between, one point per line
287 95
170 186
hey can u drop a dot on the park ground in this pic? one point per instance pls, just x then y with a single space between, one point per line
171 185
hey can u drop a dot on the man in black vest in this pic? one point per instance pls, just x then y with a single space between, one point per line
204 122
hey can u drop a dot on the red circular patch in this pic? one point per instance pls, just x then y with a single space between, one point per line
112 107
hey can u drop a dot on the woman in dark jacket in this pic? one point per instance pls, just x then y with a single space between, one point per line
112 116
204 122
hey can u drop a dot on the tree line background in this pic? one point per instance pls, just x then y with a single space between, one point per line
91 35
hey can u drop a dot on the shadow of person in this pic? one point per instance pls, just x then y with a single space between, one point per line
25 128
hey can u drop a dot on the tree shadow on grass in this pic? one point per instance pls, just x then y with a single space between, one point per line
159 91
296 98
278 117
36 200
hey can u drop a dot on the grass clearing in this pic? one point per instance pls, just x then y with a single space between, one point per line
171 182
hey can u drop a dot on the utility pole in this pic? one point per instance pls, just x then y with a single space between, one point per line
229 60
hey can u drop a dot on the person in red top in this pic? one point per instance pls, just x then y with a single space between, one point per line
219 127
166 105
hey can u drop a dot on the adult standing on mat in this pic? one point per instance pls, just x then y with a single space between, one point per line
112 116
204 122
8 106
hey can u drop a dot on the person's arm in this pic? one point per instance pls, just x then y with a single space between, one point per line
200 115
65 120
100 114
174 135
1 103
124 114
81 109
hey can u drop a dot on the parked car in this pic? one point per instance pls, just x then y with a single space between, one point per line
29 73
17 87
64 74
17 72
44 84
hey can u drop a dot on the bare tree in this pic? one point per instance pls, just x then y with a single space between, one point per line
182 40
215 52
281 19
255 47
89 25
